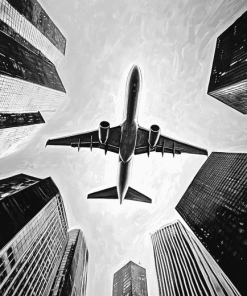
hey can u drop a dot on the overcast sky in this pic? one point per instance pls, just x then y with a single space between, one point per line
173 42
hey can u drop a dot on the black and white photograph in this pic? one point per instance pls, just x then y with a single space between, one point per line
123 148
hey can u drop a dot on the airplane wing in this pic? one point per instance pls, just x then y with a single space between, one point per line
91 140
164 145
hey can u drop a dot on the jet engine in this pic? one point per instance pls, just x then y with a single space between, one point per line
154 135
104 128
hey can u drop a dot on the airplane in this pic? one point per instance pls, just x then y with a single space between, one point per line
127 140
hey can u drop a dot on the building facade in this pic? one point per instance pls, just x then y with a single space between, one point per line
130 280
27 82
16 138
16 129
71 277
26 21
31 45
215 208
33 235
11 120
184 267
228 80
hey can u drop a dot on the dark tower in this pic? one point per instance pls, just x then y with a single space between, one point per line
130 280
33 235
215 208
228 80
71 277
12 120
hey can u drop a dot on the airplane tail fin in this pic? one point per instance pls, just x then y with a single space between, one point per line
133 194
109 193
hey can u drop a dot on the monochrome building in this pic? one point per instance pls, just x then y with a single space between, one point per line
33 235
27 81
184 267
228 80
30 48
30 45
16 129
14 139
215 207
71 277
28 23
130 280
12 120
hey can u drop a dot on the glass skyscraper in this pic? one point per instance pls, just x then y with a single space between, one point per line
184 268
33 235
27 22
30 46
228 80
71 277
11 120
215 208
27 81
130 280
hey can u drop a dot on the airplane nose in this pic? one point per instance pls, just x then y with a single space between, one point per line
135 68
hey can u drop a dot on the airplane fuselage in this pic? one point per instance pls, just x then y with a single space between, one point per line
128 131
125 142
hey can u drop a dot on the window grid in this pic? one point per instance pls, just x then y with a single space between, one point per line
23 27
45 224
22 96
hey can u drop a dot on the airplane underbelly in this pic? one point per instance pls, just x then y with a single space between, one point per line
123 179
128 142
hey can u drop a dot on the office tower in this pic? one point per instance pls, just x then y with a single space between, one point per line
16 129
33 235
228 80
30 46
71 278
28 23
11 120
184 267
27 82
215 208
130 280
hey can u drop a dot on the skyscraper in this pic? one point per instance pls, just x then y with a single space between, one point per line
11 120
16 129
215 208
28 23
130 280
30 46
183 267
27 81
71 277
228 80
33 235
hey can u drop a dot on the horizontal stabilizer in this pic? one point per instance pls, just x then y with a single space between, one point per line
133 194
109 193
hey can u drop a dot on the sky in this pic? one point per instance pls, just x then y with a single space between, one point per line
173 42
